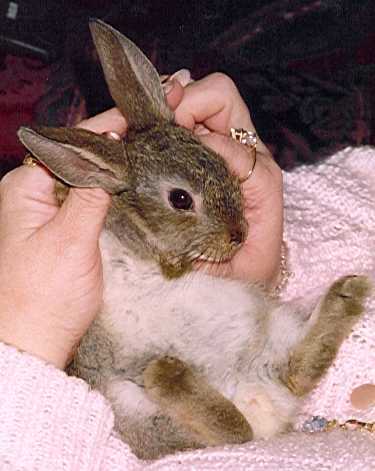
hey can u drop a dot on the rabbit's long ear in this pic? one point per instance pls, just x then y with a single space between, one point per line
78 157
132 80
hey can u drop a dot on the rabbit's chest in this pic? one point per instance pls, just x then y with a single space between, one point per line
209 323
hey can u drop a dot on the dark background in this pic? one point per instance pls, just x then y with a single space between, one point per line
306 68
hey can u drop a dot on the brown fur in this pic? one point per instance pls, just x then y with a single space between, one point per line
190 400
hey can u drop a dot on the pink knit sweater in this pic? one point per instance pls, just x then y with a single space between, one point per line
49 421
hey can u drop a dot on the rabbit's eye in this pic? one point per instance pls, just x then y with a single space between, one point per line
180 199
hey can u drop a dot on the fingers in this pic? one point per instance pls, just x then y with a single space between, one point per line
214 101
25 180
182 76
214 104
27 202
28 191
240 159
27 198
174 85
110 120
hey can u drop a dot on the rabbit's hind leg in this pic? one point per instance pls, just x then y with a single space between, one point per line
141 423
336 314
193 403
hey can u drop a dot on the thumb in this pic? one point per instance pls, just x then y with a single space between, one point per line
83 213
26 183
27 200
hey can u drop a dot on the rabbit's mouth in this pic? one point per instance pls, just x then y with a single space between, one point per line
175 265
216 256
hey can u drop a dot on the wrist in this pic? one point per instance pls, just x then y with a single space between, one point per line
53 349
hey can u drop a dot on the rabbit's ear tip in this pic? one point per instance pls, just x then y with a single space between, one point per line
95 24
24 130
27 135
36 130
95 21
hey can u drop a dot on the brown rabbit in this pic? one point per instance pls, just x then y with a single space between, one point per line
187 360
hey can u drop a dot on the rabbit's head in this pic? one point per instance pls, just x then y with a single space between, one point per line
174 200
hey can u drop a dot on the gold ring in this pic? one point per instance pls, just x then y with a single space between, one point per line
242 180
249 139
30 161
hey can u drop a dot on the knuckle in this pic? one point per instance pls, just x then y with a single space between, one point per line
223 82
83 124
9 181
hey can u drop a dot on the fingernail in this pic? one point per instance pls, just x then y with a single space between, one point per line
167 86
200 130
164 78
112 135
183 76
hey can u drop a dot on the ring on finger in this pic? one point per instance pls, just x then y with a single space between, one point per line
29 161
249 139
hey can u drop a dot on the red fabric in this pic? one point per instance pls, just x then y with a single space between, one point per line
23 82
33 93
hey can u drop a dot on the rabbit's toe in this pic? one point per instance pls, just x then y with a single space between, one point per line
350 291
167 374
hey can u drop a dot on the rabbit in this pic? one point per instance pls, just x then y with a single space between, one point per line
187 360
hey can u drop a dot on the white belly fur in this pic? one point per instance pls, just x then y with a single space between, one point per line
206 322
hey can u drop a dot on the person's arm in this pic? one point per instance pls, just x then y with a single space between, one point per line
49 421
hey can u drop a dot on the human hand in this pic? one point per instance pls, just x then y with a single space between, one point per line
212 106
50 271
